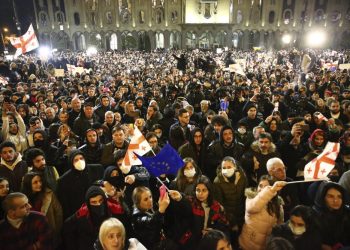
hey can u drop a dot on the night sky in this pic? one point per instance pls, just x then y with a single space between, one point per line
25 12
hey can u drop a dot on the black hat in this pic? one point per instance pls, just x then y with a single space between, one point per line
89 104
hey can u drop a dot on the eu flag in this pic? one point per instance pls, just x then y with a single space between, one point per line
167 161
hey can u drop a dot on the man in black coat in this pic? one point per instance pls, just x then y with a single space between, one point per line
72 185
225 146
85 120
92 148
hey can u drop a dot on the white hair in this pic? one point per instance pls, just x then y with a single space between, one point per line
272 162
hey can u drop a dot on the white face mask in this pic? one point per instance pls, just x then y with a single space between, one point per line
125 169
241 130
79 165
296 230
189 172
228 172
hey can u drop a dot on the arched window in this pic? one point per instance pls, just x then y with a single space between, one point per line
114 41
287 16
76 19
271 17
159 40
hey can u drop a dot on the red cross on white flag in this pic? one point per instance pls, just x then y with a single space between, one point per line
3 81
25 43
320 167
139 145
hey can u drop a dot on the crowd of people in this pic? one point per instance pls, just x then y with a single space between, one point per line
243 132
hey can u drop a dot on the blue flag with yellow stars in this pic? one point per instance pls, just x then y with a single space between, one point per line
167 161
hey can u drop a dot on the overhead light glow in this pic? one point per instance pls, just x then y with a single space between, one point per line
91 51
44 52
316 38
286 38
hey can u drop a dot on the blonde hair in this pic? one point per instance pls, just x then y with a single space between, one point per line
136 195
107 226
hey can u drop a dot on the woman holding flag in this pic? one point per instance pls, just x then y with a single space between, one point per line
263 211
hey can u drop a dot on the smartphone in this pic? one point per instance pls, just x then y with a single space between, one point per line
162 191
305 127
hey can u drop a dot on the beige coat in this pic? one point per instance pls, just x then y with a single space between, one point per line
258 222
51 207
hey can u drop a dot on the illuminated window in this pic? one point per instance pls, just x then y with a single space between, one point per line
114 41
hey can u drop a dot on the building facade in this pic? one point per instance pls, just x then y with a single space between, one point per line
151 24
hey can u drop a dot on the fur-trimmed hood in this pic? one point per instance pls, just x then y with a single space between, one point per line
256 149
250 193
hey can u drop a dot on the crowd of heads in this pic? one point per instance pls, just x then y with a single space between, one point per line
248 129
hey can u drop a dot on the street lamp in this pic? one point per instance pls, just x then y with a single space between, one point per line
4 31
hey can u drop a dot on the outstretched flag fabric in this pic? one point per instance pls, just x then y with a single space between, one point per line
320 167
138 144
25 43
167 161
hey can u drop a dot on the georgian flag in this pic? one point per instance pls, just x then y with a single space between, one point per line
320 167
70 68
321 117
25 43
139 145
3 81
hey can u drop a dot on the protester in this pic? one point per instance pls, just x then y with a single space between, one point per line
146 221
229 186
186 177
333 216
269 109
4 191
20 223
112 236
301 230
263 211
43 199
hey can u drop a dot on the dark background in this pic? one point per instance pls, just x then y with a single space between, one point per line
26 16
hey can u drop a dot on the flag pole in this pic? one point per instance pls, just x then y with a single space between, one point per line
162 183
293 182
154 154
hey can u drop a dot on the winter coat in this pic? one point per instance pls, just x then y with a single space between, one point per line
51 208
93 154
147 227
188 150
216 220
50 175
51 151
334 224
81 229
262 158
19 139
81 124
230 193
107 158
217 151
307 241
14 173
258 222
72 185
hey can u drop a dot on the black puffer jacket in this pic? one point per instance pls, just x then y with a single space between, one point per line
147 227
